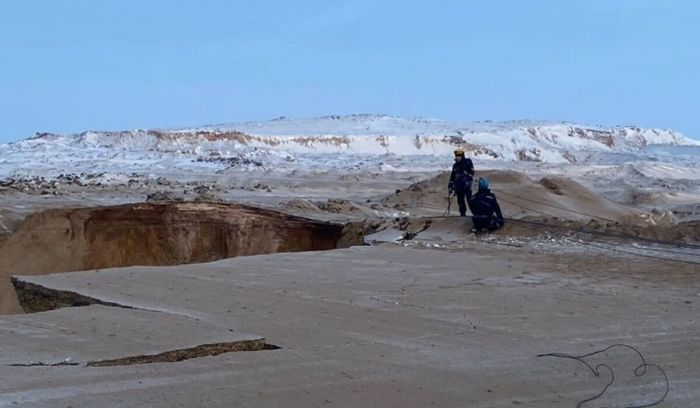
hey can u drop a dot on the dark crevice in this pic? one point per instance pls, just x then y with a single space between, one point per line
35 298
171 356
43 364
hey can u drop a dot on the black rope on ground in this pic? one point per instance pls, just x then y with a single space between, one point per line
611 235
593 217
526 208
639 371
661 258
449 206
557 207
628 236
622 251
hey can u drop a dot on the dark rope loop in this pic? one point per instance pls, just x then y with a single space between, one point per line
639 371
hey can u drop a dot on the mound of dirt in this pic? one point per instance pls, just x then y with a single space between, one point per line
153 234
519 196
430 194
342 206
332 210
300 205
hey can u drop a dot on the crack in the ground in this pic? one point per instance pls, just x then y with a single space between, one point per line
170 356
36 298
43 364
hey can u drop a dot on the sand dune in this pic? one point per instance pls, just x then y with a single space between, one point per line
520 196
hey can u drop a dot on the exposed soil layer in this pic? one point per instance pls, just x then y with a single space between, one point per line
34 298
173 356
65 240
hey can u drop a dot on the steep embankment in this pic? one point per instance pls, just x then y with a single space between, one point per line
153 234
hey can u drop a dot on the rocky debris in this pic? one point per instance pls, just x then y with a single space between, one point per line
260 186
8 182
162 196
208 198
229 161
43 185
71 178
205 193
33 185
203 189
549 236
402 223
162 181
64 183
301 205
342 206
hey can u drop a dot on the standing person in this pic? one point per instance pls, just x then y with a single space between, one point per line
461 180
486 213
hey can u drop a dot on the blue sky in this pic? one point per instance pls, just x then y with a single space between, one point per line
71 65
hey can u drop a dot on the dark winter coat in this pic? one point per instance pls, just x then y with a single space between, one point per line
483 204
462 174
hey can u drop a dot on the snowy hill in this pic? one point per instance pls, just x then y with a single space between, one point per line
320 140
374 125
378 134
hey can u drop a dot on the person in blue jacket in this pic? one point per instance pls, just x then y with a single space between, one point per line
486 213
461 180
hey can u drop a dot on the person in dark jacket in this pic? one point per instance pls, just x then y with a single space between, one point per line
486 213
461 180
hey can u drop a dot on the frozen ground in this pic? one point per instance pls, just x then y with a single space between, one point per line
380 326
601 247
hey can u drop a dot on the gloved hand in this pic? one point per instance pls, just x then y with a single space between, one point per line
450 189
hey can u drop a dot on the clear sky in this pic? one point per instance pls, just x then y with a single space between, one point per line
72 65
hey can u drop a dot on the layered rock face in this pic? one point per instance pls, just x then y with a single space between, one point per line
153 234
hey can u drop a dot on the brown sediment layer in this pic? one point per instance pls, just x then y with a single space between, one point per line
65 240
35 298
173 356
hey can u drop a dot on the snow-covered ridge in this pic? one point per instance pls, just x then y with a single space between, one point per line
376 134
366 144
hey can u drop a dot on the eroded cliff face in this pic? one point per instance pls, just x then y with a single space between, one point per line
154 234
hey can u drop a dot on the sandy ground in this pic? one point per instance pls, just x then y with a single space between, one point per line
358 197
373 326
428 315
